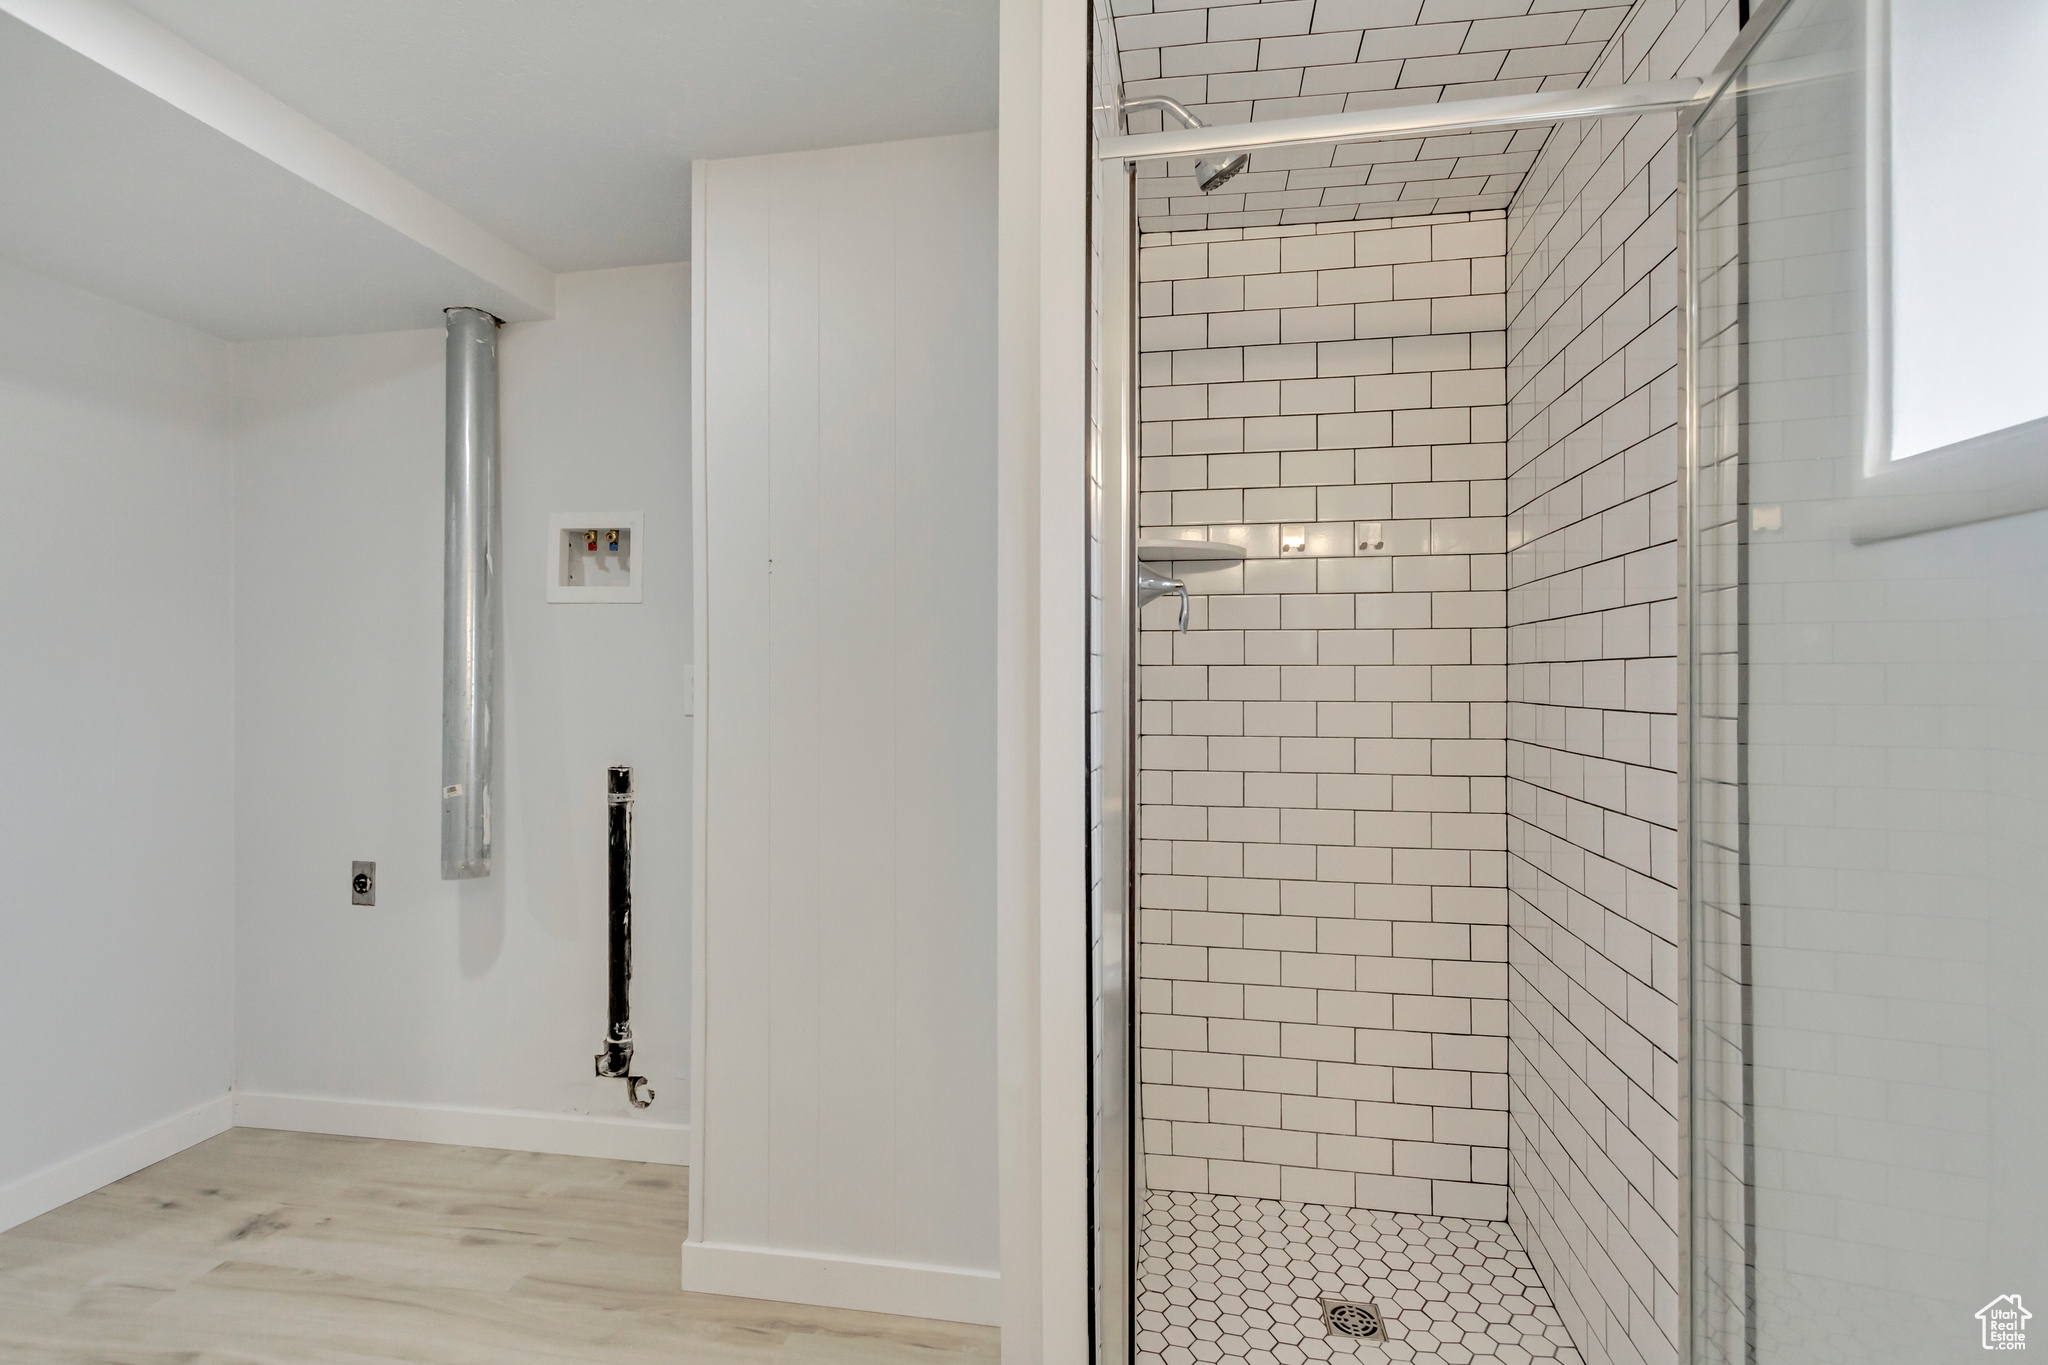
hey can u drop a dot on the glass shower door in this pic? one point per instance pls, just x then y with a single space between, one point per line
1867 733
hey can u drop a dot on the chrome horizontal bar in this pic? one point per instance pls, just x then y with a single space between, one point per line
1413 120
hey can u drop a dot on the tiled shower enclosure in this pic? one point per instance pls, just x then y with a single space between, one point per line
1408 827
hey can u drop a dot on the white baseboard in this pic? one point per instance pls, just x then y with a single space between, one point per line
57 1185
913 1291
517 1130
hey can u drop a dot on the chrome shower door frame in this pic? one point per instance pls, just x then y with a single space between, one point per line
1115 1169
1714 1143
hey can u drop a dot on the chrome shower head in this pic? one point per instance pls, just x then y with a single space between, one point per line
1210 173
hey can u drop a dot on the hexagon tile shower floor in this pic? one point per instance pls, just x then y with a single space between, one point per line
1230 1279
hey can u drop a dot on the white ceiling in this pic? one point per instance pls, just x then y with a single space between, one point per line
258 168
1264 59
567 127
111 189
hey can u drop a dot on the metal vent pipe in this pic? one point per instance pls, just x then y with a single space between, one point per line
469 621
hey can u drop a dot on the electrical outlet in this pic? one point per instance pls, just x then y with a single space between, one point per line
362 884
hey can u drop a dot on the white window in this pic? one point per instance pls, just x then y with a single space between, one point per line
1956 413
1969 204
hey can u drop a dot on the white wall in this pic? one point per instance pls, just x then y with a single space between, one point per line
459 995
847 1125
116 739
1041 703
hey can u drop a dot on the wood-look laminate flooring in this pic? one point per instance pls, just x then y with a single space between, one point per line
268 1248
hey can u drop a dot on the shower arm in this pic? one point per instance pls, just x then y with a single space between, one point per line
1166 105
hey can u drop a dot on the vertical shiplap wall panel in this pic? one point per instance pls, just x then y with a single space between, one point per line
795 570
857 745
944 508
849 1111
737 818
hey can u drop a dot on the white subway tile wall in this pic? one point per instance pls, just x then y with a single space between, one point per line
1593 446
1323 868
1237 63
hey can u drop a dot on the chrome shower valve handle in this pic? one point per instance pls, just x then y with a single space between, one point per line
1152 585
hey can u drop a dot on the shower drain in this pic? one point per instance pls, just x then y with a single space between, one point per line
1360 1321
